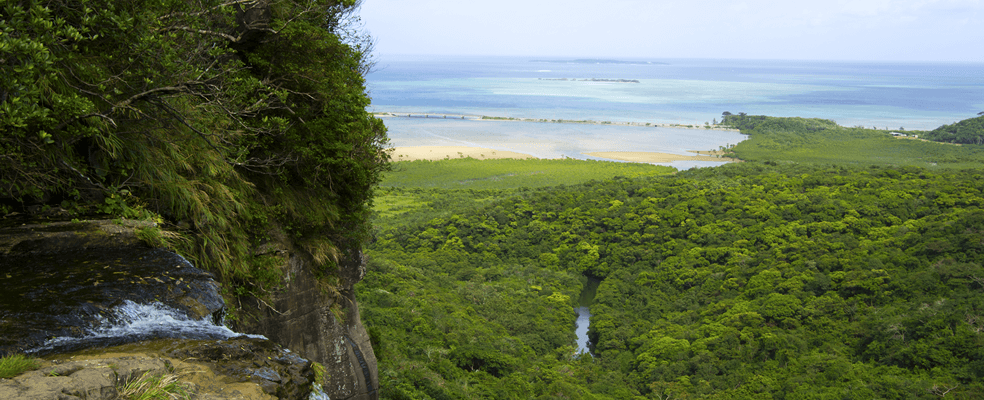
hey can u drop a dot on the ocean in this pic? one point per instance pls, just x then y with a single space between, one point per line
909 96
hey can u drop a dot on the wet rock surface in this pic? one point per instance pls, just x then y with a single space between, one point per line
63 279
228 369
301 317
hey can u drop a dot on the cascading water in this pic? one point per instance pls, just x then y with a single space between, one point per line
130 321
81 286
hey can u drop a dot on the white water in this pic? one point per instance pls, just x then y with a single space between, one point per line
146 321
318 393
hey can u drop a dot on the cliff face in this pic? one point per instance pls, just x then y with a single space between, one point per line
320 324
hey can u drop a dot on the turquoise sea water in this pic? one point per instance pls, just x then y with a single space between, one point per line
553 140
883 95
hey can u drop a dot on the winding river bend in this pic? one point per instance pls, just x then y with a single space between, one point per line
584 315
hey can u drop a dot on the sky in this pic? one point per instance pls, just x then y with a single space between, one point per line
848 30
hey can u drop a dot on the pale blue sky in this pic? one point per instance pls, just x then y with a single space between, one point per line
876 30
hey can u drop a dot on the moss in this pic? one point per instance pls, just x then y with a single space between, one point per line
320 372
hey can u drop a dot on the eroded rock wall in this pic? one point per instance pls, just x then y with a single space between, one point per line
319 324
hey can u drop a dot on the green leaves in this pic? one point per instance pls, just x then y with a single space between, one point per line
752 280
968 131
192 111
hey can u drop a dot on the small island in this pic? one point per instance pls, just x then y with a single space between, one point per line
591 80
599 61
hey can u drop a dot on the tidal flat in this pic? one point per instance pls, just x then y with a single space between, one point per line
424 138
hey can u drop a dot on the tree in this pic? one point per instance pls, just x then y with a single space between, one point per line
215 112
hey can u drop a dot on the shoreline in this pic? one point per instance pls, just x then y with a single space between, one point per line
656 157
436 153
554 121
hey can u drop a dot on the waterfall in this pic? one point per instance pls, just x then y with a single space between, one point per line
130 322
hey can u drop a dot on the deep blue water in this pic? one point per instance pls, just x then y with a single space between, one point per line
886 95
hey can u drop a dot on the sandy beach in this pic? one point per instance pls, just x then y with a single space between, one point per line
414 153
651 157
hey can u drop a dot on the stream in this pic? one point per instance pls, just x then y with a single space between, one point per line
584 315
131 322
69 286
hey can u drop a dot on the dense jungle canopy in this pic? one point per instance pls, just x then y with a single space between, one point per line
829 267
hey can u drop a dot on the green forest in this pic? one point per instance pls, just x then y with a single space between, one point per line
798 274
969 131
821 141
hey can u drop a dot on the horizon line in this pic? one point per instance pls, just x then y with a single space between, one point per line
650 58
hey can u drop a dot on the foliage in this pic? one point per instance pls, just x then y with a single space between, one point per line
151 386
319 372
226 118
16 364
749 280
818 141
968 131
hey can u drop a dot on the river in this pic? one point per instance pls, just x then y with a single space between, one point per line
584 315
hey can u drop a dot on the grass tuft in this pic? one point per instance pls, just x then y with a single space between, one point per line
16 364
319 372
154 387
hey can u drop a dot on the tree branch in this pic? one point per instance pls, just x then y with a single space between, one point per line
234 39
